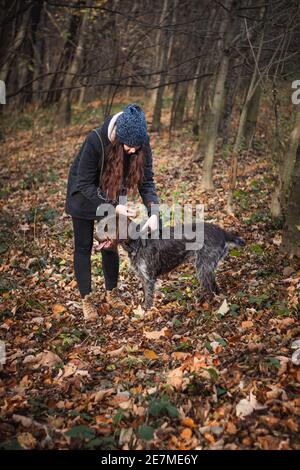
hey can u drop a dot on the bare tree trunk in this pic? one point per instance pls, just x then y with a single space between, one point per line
12 34
163 64
11 41
197 100
252 116
64 108
291 230
231 92
202 66
242 123
35 15
40 53
218 100
64 62
285 171
179 101
81 96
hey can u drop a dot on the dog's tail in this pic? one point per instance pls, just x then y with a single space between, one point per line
232 237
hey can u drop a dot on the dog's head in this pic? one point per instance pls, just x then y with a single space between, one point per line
117 229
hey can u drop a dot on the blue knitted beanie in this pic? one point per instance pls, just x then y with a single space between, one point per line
131 127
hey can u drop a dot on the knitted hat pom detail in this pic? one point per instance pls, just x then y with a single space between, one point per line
131 126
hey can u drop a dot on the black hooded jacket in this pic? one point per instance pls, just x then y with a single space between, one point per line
83 192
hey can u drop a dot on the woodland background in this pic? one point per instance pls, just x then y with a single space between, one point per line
216 80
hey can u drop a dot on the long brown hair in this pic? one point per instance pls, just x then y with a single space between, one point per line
114 167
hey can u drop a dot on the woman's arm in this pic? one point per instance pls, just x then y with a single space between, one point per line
147 188
88 172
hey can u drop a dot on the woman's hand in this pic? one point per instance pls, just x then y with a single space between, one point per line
152 223
125 211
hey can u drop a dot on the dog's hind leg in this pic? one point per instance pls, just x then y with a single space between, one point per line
149 285
148 281
206 263
207 280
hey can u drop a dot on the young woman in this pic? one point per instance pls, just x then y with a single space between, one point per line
113 159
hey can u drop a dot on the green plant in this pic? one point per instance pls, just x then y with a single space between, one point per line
161 407
242 197
257 249
183 346
273 362
146 432
258 299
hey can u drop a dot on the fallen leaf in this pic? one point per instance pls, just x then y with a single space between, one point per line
103 420
27 440
283 364
295 344
209 437
58 308
116 352
275 392
180 355
296 357
125 436
149 354
139 311
291 424
277 240
270 420
216 347
287 271
186 434
56 422
245 407
188 422
269 442
26 422
96 350
24 227
282 323
231 428
155 334
48 359
175 378
101 394
224 308
197 364
31 359
247 324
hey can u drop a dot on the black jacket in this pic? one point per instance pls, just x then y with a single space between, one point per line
83 192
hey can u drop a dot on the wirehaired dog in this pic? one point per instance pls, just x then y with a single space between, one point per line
152 257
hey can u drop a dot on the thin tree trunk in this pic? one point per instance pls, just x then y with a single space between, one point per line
231 92
35 15
179 102
202 66
242 124
252 116
64 62
156 60
64 108
197 100
218 99
289 161
291 230
156 118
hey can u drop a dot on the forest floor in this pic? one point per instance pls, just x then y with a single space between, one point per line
185 375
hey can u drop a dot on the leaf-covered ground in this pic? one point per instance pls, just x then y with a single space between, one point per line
186 375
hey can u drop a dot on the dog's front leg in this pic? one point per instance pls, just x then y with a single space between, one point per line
149 285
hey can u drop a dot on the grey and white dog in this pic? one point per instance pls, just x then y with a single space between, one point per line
152 257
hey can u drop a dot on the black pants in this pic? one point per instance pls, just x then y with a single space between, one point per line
83 241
